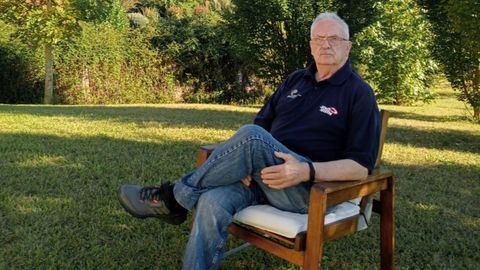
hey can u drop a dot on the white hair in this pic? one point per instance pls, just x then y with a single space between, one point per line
331 16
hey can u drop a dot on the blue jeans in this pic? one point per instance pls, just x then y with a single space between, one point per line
216 192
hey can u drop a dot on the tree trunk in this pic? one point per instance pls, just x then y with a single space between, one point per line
476 93
48 94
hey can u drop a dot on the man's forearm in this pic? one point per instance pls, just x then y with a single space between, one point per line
339 170
292 171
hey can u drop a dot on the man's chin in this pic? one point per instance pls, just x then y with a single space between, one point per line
325 60
325 63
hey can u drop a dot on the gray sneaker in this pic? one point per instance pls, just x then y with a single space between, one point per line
151 201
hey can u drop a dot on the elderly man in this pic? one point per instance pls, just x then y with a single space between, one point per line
321 124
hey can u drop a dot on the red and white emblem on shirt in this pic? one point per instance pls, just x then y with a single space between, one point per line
328 110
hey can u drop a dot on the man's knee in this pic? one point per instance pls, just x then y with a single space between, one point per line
251 130
225 200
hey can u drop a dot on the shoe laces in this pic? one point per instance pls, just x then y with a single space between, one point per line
151 193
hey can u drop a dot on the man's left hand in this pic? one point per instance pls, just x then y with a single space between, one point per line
290 173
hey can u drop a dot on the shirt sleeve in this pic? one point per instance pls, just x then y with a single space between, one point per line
364 129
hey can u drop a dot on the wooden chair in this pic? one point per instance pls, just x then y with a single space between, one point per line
306 248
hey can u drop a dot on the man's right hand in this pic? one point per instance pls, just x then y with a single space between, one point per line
247 180
292 172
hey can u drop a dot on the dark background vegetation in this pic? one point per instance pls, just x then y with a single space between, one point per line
228 51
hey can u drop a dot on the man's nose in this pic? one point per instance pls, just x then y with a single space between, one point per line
325 44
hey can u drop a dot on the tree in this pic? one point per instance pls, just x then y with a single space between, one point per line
357 14
191 40
40 23
456 27
272 36
395 53
44 23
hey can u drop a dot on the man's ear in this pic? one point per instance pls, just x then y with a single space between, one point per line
349 48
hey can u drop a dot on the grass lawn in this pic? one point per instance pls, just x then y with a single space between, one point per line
60 167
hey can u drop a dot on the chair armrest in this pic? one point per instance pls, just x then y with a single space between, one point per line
204 152
341 191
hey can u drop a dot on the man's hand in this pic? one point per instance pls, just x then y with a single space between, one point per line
247 180
290 173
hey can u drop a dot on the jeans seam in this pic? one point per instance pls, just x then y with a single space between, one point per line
218 251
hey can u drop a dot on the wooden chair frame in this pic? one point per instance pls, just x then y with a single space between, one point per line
306 249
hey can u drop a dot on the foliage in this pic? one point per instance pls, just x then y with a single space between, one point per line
50 22
233 51
270 37
456 28
357 14
39 22
394 53
192 40
101 11
104 66
19 70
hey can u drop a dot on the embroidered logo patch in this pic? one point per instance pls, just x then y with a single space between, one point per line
328 110
294 94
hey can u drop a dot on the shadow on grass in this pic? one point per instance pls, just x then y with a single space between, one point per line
437 225
435 139
437 216
58 206
143 116
429 118
437 222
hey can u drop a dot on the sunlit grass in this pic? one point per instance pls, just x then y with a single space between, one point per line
60 167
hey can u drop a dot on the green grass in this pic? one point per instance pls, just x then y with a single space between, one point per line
60 167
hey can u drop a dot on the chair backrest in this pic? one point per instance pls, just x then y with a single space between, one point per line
366 202
383 134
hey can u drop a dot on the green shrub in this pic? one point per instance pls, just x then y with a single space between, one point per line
272 36
193 41
456 47
98 12
104 65
20 72
394 55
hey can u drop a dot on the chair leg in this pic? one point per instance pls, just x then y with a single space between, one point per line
315 239
387 227
235 250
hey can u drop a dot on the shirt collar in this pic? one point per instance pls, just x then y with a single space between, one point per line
336 79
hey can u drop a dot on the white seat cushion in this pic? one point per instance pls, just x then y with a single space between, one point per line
288 224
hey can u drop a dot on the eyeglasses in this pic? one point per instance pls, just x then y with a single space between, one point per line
332 40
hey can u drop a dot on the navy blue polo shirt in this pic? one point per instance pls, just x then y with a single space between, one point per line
333 119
